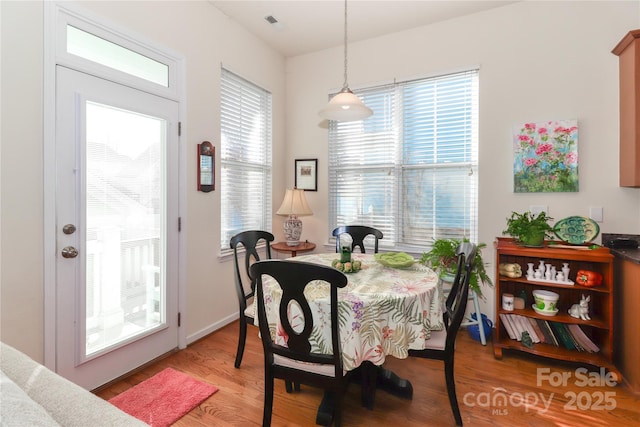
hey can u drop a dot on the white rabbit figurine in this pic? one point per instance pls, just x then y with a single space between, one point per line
581 311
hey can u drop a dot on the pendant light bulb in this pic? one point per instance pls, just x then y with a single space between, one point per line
345 106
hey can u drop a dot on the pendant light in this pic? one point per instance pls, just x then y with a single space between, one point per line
345 106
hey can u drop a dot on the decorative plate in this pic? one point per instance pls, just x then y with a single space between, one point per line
395 259
576 230
543 312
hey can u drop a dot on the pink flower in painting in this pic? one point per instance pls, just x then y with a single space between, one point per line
543 148
530 162
530 126
561 129
571 158
543 131
525 138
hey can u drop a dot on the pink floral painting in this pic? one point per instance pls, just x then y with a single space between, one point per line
545 157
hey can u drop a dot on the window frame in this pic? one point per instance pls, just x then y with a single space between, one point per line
232 163
67 16
390 161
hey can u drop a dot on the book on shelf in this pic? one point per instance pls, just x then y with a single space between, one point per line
557 334
547 332
517 327
527 327
576 343
585 341
538 330
562 334
507 326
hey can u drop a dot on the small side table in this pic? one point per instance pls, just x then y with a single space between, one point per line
302 247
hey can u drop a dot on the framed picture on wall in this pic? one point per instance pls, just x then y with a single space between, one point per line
307 174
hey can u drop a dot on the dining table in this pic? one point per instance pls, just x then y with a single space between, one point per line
383 311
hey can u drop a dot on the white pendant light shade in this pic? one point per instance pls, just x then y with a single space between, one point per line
345 107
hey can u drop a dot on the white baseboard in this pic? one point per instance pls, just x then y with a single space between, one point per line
212 328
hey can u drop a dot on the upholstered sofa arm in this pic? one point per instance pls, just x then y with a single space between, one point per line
65 402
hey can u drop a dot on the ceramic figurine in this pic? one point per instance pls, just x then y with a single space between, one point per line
530 271
565 271
581 311
526 340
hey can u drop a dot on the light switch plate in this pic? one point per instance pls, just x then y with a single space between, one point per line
595 213
536 209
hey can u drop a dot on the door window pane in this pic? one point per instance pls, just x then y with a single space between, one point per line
104 52
124 217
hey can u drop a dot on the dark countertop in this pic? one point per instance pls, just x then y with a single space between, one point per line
628 254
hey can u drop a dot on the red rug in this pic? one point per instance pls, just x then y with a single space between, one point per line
164 398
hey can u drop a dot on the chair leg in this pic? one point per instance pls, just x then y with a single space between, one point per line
290 387
241 341
476 307
337 412
451 390
268 400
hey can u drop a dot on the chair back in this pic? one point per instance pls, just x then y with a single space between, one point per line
358 234
245 281
456 303
293 278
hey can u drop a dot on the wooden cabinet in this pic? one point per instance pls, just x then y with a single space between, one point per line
627 315
628 50
599 329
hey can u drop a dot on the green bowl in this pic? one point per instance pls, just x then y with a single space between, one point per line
395 259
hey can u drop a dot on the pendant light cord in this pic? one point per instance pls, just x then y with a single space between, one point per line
345 85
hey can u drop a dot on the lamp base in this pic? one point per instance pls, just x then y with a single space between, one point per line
292 230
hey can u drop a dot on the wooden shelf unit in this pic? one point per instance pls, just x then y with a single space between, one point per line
599 329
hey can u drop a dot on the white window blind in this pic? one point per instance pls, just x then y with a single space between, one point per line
245 158
409 170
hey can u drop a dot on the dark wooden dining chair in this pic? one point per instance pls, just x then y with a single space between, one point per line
296 363
245 282
358 234
441 345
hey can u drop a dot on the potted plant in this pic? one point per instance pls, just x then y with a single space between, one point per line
529 229
443 259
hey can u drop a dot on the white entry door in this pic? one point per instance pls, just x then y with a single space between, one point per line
116 227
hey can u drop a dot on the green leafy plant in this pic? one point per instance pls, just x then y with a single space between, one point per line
442 258
529 229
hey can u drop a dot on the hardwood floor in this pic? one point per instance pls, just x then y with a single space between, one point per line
490 392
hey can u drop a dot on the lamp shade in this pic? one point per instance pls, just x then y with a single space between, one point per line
345 107
294 203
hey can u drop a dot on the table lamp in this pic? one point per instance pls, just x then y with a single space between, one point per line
294 205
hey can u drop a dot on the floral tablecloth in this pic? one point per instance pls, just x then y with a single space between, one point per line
382 310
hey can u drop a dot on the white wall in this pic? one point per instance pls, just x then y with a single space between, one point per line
538 61
206 38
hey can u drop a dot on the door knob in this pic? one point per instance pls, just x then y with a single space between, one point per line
69 252
69 229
